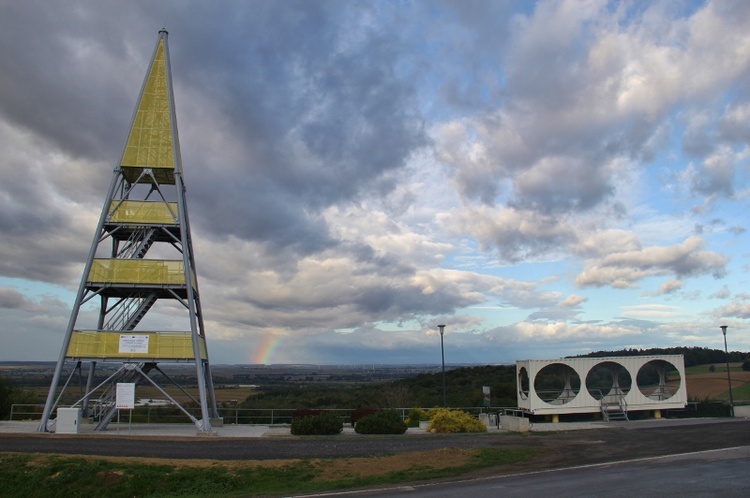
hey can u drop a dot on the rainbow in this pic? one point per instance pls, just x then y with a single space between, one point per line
266 349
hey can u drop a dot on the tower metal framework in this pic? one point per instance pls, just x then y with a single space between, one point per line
141 259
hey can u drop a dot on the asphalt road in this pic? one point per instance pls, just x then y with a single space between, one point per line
724 473
625 442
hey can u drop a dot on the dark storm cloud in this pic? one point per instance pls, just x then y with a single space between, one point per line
67 88
58 78
26 212
308 92
313 99
392 302
255 209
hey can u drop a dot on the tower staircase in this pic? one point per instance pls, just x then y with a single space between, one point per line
104 408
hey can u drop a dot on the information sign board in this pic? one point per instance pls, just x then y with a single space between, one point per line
133 343
125 396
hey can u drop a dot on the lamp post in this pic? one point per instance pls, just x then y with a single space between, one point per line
729 377
442 354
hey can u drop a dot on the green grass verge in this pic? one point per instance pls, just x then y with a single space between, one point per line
52 476
739 393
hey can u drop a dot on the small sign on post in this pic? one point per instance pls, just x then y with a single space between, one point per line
125 400
125 396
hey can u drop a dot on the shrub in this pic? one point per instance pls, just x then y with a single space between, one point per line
305 412
10 395
325 423
385 422
446 420
415 416
362 412
710 408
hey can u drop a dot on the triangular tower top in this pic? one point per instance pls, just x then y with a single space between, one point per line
152 142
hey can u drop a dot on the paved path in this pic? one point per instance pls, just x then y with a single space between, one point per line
189 430
621 441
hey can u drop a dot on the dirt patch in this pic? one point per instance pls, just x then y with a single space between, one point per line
109 478
169 462
710 385
344 468
332 469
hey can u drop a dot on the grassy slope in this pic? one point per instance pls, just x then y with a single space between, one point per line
50 475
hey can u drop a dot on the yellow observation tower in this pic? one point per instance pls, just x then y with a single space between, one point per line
141 259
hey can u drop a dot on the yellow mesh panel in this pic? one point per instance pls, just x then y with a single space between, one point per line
150 142
137 271
143 212
164 345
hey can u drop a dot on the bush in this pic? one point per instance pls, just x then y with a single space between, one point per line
710 408
325 423
10 395
385 422
446 420
363 412
415 416
305 412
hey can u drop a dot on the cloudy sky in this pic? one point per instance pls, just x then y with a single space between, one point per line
546 178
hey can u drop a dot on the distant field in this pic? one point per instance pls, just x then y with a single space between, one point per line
225 396
704 384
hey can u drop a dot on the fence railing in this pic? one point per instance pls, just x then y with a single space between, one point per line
231 415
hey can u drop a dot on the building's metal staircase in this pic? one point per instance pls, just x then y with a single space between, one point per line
614 407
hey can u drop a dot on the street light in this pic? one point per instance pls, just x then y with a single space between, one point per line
442 354
729 377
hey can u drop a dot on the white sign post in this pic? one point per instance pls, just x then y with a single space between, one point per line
125 400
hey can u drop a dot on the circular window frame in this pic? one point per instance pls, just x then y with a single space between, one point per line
616 371
661 391
568 392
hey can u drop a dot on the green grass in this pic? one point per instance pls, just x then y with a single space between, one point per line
739 393
52 476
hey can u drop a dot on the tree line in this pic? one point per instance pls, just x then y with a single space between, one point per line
693 355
